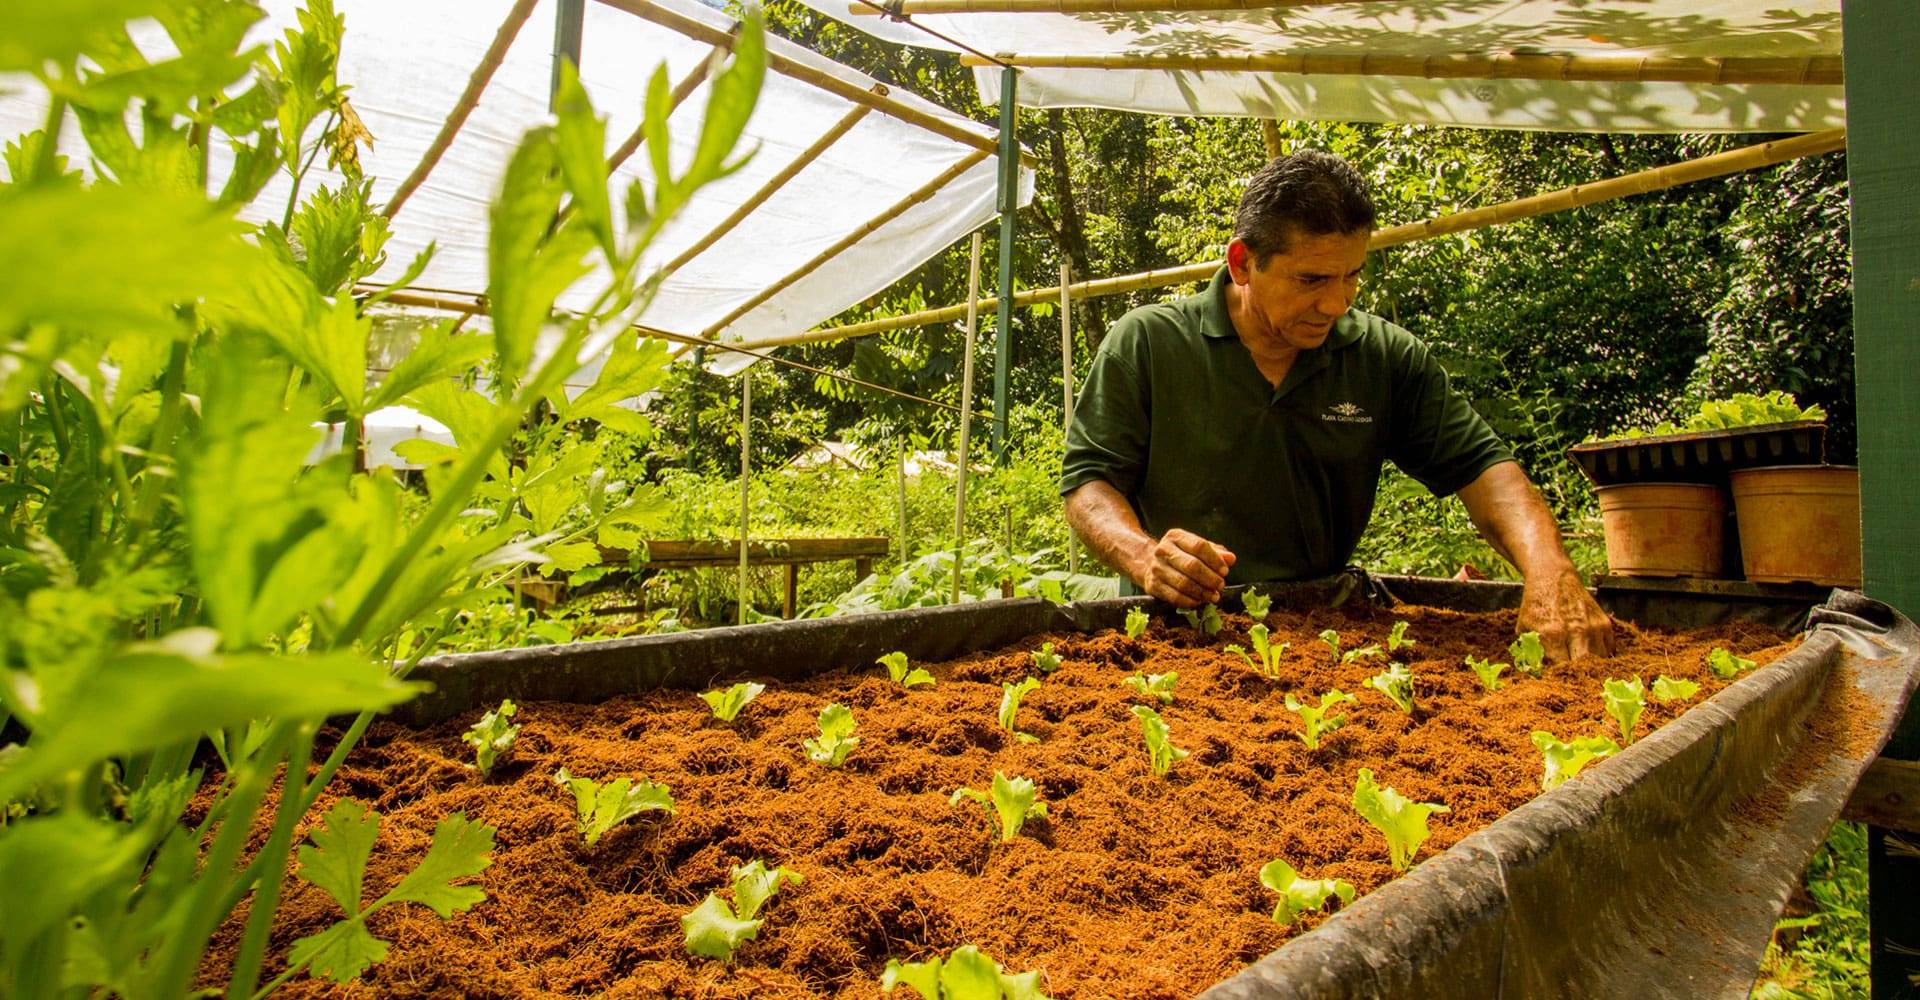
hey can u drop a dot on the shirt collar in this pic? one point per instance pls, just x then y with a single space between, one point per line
1215 322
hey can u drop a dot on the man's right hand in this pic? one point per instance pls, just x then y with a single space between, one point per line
1183 569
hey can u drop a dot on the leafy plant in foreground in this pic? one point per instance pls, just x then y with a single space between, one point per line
1402 821
836 738
1301 895
1625 700
1269 661
1674 689
1397 639
1528 654
965 974
492 737
1136 623
1489 673
1012 799
1318 722
1161 753
1045 659
715 930
726 705
600 807
1564 760
1725 665
1205 618
896 664
1010 695
1257 605
1155 685
1396 682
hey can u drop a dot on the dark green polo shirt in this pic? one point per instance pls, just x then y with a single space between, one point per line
1176 415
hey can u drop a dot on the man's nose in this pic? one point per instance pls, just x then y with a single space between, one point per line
1337 298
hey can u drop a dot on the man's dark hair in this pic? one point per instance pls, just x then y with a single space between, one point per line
1310 193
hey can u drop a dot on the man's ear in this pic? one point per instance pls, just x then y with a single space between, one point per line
1239 261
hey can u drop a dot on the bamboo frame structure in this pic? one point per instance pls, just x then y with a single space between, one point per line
746 482
1066 390
894 211
469 99
961 461
908 8
681 91
1640 182
796 70
1601 67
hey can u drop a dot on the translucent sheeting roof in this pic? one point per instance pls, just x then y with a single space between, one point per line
1612 32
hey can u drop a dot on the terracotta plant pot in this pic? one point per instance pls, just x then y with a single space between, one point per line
1799 523
1664 529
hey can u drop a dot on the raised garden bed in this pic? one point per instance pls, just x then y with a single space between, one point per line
1136 886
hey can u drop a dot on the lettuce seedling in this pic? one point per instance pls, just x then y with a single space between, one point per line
1332 639
1318 722
1674 689
1012 799
1528 654
1624 700
726 705
1155 685
1205 618
1725 665
836 736
1161 753
966 974
714 929
1396 682
1564 760
492 737
1402 822
1301 895
1044 658
1136 623
1256 604
753 885
1010 695
1489 673
1269 662
1397 639
601 807
896 664
1364 651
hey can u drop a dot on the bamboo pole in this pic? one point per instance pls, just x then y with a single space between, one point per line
908 8
772 186
746 469
900 493
966 407
1270 137
469 99
894 211
1765 154
1066 391
796 70
1600 67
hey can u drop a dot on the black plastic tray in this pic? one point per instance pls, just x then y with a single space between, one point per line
1701 456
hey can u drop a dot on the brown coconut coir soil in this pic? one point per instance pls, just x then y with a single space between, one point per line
1135 887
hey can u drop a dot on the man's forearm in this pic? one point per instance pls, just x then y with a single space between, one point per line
1515 520
1106 523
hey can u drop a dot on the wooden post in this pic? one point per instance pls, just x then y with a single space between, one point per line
792 597
1270 137
746 468
1066 391
966 414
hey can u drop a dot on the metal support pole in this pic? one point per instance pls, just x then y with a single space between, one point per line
1009 204
569 20
900 489
1066 391
966 410
746 467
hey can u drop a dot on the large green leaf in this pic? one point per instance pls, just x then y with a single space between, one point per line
636 367
336 861
49 865
581 143
529 261
39 32
340 953
459 850
440 355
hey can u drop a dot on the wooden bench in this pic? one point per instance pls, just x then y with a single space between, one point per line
791 553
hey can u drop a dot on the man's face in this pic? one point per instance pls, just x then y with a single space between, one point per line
1293 301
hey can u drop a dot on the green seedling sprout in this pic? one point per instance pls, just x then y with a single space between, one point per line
1010 695
1318 722
1298 895
1136 623
1257 605
714 929
1489 673
1396 682
1155 685
600 807
1332 639
966 974
1161 753
1205 618
1561 761
1625 700
1725 665
1044 658
1011 799
1402 821
897 671
1369 650
492 737
1397 639
1528 654
836 738
1269 661
1674 689
726 705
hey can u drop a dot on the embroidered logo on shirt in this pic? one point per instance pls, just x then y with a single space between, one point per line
1346 413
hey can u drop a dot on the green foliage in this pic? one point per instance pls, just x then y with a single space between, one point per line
1161 753
1401 821
1397 639
1269 654
1300 896
1489 673
1564 760
1396 683
1257 604
896 664
1364 652
1154 685
965 974
1726 665
599 807
1205 618
1010 695
1317 722
1044 658
715 929
836 738
492 737
1528 654
1674 689
1136 623
1625 700
726 705
1013 800
1742 409
1829 960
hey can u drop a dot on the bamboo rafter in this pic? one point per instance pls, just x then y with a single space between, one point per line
1640 182
1606 67
894 211
813 76
908 8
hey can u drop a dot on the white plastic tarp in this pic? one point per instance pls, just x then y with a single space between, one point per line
1622 28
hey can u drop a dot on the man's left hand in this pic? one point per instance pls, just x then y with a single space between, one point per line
1570 623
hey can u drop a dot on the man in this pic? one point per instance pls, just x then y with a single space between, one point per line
1240 432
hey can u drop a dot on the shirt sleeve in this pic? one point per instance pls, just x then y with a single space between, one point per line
1111 422
1438 438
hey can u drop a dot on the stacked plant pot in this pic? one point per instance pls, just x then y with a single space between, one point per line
1755 503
